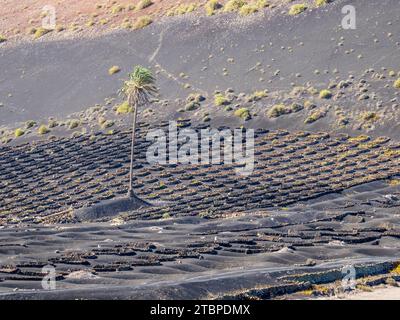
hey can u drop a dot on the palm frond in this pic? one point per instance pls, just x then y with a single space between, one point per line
140 86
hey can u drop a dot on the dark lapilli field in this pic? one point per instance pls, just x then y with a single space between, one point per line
45 181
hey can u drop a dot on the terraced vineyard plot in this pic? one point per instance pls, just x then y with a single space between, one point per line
143 252
50 179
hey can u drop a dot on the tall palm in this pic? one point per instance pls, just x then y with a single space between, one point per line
137 90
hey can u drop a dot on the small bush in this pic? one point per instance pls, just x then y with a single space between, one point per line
248 9
29 124
182 9
19 132
228 108
262 4
90 23
107 124
234 5
295 107
314 117
101 120
220 100
2 38
278 110
297 9
124 108
397 84
144 4
197 97
243 113
116 9
320 3
325 94
60 28
73 124
40 32
142 22
192 105
370 116
258 95
113 70
211 6
43 129
166 215
53 123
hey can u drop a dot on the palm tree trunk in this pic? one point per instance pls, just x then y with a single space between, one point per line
131 194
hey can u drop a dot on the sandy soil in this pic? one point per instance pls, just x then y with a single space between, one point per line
85 18
378 294
17 18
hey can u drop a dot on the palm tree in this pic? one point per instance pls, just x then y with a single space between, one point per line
137 90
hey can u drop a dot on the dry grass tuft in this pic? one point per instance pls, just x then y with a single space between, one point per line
142 22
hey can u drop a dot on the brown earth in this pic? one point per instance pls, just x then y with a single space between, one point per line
91 18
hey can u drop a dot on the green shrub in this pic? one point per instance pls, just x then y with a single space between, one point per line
397 84
325 94
192 105
258 95
2 38
297 9
370 116
182 9
90 23
72 124
314 117
211 6
107 124
220 99
228 108
43 129
234 5
278 110
113 70
144 4
262 4
320 3
40 32
53 123
142 22
243 113
19 132
295 107
166 215
116 9
29 124
124 108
